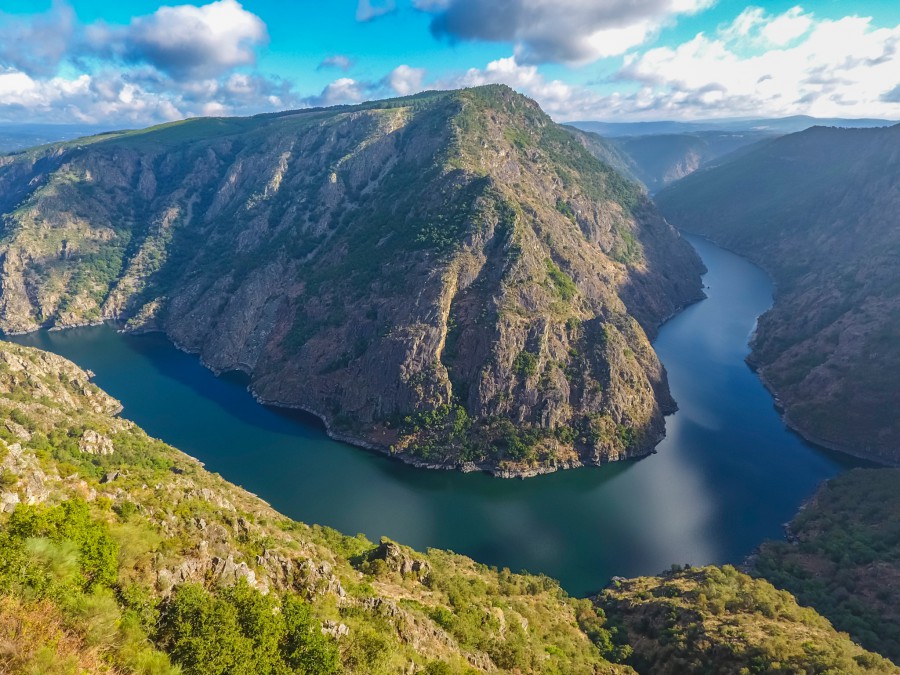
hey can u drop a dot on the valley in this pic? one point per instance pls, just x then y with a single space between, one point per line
536 314
696 501
447 337
818 210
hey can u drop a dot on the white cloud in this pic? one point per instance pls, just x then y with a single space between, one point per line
342 90
570 31
341 61
37 45
179 61
186 41
404 80
758 28
86 98
839 67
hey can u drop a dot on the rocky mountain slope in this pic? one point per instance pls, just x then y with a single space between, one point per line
119 554
449 277
116 553
818 210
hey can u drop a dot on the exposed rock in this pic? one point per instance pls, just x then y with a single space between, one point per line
9 501
95 443
335 629
400 560
318 579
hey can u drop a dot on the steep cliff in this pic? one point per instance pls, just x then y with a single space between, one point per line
449 277
818 210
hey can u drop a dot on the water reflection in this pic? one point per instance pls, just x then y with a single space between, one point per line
727 476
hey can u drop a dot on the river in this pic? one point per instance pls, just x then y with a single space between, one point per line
727 475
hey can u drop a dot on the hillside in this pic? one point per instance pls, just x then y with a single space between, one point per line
718 620
117 551
842 557
448 277
818 210
119 554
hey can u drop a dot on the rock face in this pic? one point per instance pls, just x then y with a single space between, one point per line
94 443
449 277
818 210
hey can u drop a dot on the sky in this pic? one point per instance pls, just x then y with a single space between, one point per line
140 62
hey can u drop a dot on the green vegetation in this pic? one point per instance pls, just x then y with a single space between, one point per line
562 282
237 629
844 559
718 620
140 561
526 364
62 561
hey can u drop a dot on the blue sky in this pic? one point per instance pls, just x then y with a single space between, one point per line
144 61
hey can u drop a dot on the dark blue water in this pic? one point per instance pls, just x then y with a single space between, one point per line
727 476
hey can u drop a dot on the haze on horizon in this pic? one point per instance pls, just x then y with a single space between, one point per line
145 62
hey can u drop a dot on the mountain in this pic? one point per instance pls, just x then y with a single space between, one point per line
818 210
769 125
663 159
120 554
449 277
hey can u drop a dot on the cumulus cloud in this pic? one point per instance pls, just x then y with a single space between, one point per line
844 67
186 41
570 31
366 10
340 61
759 65
404 80
179 61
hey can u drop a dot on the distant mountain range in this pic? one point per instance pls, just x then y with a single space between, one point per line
773 125
20 136
659 153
